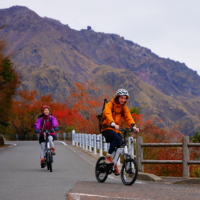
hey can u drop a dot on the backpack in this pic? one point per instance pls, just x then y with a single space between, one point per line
101 118
42 123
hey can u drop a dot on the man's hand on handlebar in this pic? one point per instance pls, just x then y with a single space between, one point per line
135 129
116 127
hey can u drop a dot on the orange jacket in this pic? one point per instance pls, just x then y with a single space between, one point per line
109 117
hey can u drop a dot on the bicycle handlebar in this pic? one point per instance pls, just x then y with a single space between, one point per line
47 130
127 130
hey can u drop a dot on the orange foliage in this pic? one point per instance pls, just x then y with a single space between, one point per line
86 104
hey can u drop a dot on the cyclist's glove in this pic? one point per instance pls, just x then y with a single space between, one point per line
112 124
133 125
37 131
56 129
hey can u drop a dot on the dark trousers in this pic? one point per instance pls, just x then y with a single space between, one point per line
113 138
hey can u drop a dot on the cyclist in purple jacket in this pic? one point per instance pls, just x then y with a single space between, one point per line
46 121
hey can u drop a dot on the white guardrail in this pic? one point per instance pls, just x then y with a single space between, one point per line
92 142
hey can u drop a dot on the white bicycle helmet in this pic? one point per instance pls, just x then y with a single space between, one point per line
122 92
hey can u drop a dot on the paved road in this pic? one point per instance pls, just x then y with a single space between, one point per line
147 191
21 178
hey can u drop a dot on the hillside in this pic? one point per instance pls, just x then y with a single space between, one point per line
51 56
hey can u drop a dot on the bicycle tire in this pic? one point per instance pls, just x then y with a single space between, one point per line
129 172
101 170
50 162
46 160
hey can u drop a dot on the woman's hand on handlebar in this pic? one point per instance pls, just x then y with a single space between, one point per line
116 127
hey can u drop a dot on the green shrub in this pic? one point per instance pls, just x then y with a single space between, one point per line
1 140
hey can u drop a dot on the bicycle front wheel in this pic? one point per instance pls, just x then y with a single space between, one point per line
49 161
101 170
129 172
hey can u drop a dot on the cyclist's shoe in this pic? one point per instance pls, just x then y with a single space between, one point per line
43 164
108 159
116 172
53 150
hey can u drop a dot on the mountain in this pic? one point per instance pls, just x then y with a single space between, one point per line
51 57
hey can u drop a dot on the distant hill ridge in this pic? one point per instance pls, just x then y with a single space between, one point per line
51 56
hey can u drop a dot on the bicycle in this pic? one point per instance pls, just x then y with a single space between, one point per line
129 170
48 158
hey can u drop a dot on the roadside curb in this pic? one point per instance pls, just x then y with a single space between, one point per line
188 181
6 146
149 177
141 176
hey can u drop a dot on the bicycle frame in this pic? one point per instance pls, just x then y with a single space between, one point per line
48 149
129 170
116 154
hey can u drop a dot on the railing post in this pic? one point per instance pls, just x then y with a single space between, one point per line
97 141
90 142
82 140
186 172
100 146
94 145
73 137
86 142
58 136
64 136
69 136
77 139
139 153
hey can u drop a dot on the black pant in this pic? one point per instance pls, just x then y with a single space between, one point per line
113 138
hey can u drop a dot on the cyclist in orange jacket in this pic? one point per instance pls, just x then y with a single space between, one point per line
112 122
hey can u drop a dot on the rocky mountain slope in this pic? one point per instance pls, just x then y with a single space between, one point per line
51 56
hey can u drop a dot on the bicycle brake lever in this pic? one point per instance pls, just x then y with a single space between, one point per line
120 129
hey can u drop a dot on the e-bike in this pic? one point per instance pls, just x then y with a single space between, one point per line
129 170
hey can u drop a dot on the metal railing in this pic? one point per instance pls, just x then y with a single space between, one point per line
185 149
93 142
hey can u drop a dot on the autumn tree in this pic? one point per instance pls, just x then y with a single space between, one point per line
24 112
9 81
84 101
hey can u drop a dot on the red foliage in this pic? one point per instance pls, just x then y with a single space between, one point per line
153 134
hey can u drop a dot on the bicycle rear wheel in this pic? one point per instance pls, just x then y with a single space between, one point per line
129 172
100 170
49 161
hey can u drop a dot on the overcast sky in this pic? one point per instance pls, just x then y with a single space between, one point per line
170 28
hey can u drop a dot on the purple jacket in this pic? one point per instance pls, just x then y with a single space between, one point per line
39 123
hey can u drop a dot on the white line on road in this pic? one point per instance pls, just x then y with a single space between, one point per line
9 146
11 143
110 176
71 149
62 143
87 160
77 196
